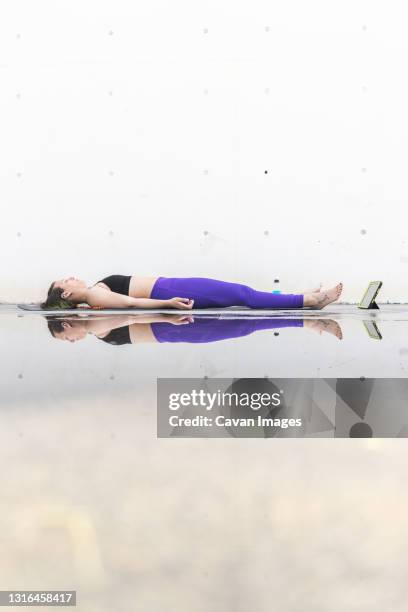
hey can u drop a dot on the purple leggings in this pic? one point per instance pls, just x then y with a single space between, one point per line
211 293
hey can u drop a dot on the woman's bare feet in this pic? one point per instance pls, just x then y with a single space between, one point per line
322 298
324 325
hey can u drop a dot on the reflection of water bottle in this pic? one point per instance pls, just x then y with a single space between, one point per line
276 287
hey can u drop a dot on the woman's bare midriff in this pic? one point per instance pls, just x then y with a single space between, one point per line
141 286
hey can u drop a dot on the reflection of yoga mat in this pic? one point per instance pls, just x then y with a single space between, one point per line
230 311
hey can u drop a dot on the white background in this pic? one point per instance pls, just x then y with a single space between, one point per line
134 139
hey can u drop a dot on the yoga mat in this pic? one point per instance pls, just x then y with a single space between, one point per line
232 311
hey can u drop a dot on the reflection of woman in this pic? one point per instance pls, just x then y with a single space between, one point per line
118 291
124 329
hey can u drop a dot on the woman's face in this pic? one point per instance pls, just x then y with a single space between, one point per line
70 284
72 331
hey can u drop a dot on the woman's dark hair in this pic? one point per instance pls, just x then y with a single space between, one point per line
55 301
55 326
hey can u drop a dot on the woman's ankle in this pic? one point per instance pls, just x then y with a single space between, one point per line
310 299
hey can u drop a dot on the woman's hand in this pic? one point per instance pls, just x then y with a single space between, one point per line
179 303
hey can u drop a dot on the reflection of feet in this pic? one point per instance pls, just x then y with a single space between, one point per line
324 325
324 297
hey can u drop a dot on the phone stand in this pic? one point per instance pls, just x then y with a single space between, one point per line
368 300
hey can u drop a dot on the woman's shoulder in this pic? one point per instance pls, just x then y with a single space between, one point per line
100 285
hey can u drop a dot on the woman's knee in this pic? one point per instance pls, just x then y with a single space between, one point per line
249 296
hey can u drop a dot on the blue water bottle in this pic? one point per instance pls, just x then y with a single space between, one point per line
276 286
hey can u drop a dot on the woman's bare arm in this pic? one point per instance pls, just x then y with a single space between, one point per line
102 298
102 325
109 299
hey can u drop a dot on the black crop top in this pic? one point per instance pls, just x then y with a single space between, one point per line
120 335
117 283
